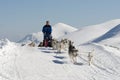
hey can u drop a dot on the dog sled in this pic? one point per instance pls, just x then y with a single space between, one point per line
47 42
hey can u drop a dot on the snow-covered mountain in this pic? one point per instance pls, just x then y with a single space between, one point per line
114 32
32 63
62 29
36 37
89 33
59 29
111 37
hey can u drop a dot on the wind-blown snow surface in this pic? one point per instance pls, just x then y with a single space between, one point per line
59 30
33 63
27 63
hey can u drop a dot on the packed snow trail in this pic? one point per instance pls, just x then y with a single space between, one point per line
106 59
33 63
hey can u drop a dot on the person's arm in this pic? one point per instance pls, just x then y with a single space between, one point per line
43 30
50 29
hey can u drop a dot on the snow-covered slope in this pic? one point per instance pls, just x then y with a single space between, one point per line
114 32
112 37
59 30
113 42
89 33
27 63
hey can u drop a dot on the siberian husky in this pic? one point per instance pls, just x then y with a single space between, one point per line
72 52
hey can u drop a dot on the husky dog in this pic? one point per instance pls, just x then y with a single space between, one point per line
41 44
54 42
65 43
59 46
72 52
32 44
90 57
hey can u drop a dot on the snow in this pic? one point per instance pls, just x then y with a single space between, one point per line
89 33
111 33
32 63
36 37
111 37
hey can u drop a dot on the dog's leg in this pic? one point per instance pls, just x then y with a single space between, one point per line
59 47
90 56
71 58
89 61
74 60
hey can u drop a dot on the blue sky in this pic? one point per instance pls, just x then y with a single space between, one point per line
21 17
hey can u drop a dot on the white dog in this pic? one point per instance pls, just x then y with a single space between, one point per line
54 44
90 57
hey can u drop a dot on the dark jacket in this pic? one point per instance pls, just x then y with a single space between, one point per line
47 29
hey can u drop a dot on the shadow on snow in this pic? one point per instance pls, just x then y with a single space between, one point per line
59 57
58 62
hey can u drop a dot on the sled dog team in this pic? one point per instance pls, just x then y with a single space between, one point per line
66 44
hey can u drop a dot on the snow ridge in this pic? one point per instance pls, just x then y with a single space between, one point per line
111 33
90 33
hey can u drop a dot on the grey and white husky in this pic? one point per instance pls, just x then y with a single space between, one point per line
72 52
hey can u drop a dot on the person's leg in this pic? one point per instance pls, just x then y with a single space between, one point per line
44 40
50 40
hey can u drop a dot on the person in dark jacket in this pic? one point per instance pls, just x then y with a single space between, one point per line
47 30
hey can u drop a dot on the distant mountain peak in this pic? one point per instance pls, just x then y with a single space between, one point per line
63 24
